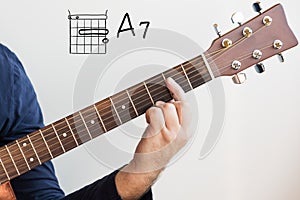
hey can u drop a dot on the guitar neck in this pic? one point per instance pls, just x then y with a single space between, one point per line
70 132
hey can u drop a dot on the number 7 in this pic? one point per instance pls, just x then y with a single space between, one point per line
147 25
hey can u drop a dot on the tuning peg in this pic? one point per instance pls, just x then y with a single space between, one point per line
257 7
218 31
260 68
280 57
237 18
239 78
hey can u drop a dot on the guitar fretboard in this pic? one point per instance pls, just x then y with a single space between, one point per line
61 136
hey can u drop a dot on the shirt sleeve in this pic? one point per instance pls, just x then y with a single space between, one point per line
104 189
20 115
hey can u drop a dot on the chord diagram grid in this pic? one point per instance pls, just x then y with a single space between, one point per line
88 33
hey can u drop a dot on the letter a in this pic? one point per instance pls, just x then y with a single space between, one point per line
126 16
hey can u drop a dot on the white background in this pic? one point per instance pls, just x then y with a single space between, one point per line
258 155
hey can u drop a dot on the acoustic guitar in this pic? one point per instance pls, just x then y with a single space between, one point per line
266 35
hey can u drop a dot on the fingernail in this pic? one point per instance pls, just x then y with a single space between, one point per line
170 80
159 103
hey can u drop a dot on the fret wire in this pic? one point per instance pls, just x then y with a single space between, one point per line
20 162
167 72
115 110
23 155
34 149
187 77
100 118
5 170
188 62
91 119
84 132
137 114
194 59
29 151
46 143
123 107
85 125
163 76
71 131
65 135
148 92
75 140
140 95
12 159
62 146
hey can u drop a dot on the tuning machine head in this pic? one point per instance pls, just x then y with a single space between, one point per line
239 78
257 7
218 31
260 68
280 57
237 18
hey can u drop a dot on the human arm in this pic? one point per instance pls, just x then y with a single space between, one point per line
165 135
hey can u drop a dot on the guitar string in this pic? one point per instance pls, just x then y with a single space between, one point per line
12 167
242 39
41 155
106 107
80 120
238 42
55 138
189 63
12 170
247 56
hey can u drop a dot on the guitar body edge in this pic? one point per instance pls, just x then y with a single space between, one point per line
6 192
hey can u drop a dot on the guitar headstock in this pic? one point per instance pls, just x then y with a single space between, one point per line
264 36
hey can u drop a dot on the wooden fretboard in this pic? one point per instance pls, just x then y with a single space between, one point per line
61 136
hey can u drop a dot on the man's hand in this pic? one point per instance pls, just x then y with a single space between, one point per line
165 135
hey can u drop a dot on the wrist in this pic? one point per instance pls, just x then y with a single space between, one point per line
132 184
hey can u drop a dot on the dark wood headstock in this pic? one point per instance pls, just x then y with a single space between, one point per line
242 48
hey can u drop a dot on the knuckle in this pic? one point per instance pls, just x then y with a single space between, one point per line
164 130
169 106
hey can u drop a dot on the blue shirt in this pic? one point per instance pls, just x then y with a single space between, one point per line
20 114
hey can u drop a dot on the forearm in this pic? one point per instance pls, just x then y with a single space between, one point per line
132 184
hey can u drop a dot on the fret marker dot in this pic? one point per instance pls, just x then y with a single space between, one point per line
123 107
64 135
92 121
31 159
24 144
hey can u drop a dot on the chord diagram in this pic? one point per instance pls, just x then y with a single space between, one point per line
88 33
